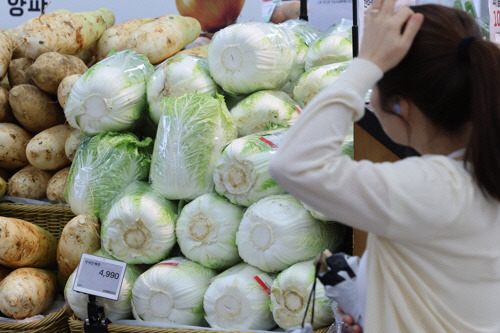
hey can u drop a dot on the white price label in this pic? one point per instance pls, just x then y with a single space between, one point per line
99 276
494 7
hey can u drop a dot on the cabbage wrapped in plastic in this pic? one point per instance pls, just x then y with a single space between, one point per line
304 29
103 166
206 231
332 46
277 232
264 110
238 299
241 173
302 35
314 80
172 291
178 75
250 56
111 95
290 292
138 225
192 132
113 310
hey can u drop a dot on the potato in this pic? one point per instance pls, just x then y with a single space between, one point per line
199 51
116 37
6 115
72 143
3 187
64 31
88 56
29 182
164 36
4 83
23 243
6 49
55 187
65 88
34 109
27 292
81 234
16 41
50 68
45 150
17 71
13 141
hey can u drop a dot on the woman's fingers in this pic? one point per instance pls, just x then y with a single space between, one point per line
412 26
387 7
348 319
351 324
383 42
376 4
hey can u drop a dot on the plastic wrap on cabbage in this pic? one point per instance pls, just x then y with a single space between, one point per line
290 292
332 46
177 76
192 132
264 110
314 80
113 310
103 166
250 56
304 29
172 292
277 232
241 173
238 299
111 95
302 35
206 231
138 225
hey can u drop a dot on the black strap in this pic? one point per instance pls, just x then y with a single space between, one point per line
312 295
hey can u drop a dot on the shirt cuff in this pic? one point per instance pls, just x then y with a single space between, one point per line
365 69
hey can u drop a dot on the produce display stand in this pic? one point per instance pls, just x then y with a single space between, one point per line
76 326
52 218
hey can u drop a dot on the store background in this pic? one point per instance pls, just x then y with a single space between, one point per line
322 13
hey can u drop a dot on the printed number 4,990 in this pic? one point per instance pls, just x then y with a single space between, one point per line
108 274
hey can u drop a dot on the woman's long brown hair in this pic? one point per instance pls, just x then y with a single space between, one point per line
453 76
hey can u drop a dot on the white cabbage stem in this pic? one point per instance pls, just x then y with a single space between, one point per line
206 231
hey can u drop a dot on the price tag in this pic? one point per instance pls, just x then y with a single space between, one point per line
494 7
99 276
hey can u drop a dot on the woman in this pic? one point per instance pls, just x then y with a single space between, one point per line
432 262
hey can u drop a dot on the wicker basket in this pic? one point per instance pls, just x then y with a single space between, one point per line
76 326
56 322
52 218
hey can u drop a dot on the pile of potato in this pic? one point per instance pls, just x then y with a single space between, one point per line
40 61
36 146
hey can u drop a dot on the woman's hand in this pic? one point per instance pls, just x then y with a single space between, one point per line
383 42
347 319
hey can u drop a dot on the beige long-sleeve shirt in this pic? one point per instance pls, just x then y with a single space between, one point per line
433 251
